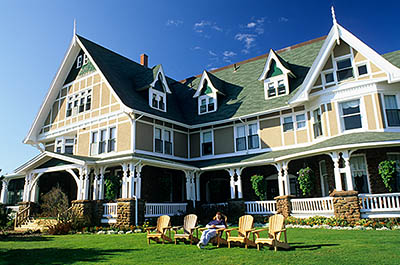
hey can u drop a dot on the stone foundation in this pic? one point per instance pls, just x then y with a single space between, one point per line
283 205
84 210
126 212
346 205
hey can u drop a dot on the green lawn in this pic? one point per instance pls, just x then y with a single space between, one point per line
309 246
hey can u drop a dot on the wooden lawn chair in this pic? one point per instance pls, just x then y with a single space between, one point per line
244 230
163 225
189 225
276 228
218 240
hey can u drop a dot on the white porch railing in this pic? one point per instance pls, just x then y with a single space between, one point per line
109 213
304 208
380 205
215 205
158 209
260 207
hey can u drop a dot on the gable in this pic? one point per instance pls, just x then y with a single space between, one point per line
86 67
274 70
53 162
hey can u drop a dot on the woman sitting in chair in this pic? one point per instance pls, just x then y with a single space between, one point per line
217 222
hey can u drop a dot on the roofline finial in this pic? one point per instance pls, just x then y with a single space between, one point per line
333 15
74 26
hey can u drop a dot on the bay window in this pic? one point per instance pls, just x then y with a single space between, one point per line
351 115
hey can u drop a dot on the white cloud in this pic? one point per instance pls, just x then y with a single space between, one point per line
251 25
171 22
283 19
196 48
212 53
247 39
201 24
229 53
216 28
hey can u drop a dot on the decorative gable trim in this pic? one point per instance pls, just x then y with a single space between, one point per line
163 80
273 56
336 34
205 76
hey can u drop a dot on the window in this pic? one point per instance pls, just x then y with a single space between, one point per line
362 69
253 136
79 61
78 103
206 145
206 104
102 142
271 90
241 138
317 126
85 59
281 87
392 110
359 173
344 69
329 78
111 139
288 124
64 145
94 143
163 141
351 115
300 121
157 99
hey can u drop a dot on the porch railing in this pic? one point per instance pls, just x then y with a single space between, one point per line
158 209
260 207
379 205
214 205
109 213
312 207
22 216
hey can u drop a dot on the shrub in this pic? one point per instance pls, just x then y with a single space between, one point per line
55 202
112 185
387 170
259 185
306 180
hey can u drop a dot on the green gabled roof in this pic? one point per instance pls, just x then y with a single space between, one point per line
126 76
243 93
347 139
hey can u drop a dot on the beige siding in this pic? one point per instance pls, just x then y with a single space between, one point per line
124 136
195 145
358 57
341 49
328 64
379 106
324 120
180 144
144 136
49 148
301 136
288 138
96 96
105 95
83 144
271 133
375 68
369 107
332 119
224 141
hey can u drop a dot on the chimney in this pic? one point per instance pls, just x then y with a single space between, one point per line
144 60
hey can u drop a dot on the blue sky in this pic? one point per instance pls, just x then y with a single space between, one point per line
186 37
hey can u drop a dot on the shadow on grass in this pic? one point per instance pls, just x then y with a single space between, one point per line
57 255
24 238
294 246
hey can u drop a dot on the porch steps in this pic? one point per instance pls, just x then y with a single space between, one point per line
35 224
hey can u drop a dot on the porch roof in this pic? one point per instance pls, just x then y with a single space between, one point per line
346 141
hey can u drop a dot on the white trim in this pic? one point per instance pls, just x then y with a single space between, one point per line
159 95
201 83
247 150
163 80
201 142
273 56
163 129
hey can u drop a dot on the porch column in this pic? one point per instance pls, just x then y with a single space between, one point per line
101 183
231 172
125 168
280 179
96 184
286 177
35 192
132 181
188 175
84 176
138 181
347 169
4 192
338 180
239 182
198 186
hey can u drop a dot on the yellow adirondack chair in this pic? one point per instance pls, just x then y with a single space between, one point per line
163 225
189 226
244 230
218 240
276 228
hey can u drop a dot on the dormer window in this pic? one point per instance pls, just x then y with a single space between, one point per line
158 92
275 76
207 99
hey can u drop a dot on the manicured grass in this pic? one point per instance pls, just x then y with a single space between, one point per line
309 246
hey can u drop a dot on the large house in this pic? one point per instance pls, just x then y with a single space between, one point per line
331 103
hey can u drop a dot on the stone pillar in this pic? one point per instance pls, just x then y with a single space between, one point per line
338 180
4 192
346 205
349 179
84 211
126 212
283 205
